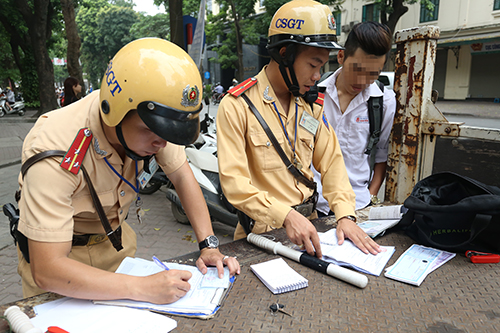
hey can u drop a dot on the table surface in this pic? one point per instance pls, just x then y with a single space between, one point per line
457 297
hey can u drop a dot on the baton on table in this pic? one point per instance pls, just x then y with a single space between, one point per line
305 259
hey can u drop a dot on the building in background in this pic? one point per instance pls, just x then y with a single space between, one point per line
468 54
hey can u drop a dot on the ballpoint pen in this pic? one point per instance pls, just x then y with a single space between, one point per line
159 263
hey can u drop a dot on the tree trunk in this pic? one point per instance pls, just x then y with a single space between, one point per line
239 43
39 31
74 42
176 26
399 10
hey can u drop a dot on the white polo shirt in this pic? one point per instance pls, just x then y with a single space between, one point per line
353 130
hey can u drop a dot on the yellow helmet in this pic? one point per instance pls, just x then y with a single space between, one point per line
161 81
304 22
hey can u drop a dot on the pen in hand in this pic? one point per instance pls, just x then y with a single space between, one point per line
159 263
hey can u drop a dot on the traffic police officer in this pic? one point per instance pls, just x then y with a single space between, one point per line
253 176
148 106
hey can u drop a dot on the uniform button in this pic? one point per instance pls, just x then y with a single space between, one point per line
268 143
121 211
296 99
122 193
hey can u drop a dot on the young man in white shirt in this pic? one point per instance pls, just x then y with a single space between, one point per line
347 94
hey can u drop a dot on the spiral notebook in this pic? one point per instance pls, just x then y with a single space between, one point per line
278 276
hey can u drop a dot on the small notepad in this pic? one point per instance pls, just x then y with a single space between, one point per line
278 276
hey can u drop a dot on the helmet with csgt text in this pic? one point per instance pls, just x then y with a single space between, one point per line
303 22
159 80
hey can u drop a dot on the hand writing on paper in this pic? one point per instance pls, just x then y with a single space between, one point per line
164 287
348 229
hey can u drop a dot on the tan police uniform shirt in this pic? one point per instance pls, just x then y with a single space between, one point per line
55 204
253 176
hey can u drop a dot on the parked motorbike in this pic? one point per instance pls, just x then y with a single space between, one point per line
202 158
17 107
156 182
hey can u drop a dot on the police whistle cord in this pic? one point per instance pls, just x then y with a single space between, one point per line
305 259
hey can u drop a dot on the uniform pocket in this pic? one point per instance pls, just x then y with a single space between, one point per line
268 158
306 149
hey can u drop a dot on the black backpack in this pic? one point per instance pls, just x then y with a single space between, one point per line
375 114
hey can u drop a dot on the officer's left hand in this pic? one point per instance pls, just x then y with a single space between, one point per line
348 229
213 257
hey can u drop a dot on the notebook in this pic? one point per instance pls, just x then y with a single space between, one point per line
278 276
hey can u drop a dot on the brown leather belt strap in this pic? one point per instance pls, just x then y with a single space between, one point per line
113 235
293 170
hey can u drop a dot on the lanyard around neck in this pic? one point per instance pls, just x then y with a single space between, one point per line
284 128
136 187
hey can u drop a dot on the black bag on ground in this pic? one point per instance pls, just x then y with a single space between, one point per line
453 213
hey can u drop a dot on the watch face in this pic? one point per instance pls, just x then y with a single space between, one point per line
212 241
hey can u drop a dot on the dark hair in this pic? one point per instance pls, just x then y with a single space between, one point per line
372 37
69 83
69 94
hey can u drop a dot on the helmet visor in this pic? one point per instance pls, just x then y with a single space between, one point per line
175 126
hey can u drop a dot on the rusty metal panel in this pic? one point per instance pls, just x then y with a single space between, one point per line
415 55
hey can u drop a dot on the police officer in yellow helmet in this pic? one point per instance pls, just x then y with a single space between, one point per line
147 107
270 191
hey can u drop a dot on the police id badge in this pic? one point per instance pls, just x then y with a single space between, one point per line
143 176
309 123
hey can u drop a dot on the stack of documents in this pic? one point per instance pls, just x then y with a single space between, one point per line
416 263
349 255
382 218
203 299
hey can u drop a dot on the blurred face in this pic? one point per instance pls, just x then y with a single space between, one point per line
359 70
307 66
139 138
77 89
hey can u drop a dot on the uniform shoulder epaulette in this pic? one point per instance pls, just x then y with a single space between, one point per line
73 158
321 99
242 87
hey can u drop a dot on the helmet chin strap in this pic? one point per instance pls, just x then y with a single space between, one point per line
292 87
130 153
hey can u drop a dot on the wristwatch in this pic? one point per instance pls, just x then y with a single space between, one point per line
374 199
350 217
212 242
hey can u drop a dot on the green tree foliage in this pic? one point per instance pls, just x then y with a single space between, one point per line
104 29
152 26
234 25
29 25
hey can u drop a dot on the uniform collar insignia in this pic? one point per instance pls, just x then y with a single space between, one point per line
266 94
97 149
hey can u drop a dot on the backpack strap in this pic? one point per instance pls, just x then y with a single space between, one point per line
375 113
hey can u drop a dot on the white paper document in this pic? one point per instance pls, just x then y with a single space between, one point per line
348 254
380 219
416 263
82 316
202 300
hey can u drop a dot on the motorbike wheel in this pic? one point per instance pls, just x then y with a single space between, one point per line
151 187
21 113
179 214
2 113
